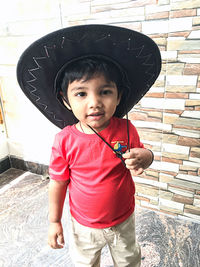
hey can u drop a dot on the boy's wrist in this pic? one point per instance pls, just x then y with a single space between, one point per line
54 222
152 157
54 219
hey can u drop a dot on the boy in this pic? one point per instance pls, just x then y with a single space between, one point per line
91 92
95 156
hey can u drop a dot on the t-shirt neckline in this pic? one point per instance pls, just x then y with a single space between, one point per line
91 136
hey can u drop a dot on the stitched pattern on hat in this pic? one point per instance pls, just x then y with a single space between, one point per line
72 40
128 44
34 78
48 47
146 62
34 89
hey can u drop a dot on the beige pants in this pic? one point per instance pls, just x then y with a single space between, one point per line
87 244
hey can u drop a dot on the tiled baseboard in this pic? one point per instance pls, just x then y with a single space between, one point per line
13 162
5 164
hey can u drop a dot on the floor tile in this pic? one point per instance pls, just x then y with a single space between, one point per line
165 241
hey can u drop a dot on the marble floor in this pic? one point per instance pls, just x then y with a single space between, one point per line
165 241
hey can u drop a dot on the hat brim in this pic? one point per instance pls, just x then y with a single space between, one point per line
136 54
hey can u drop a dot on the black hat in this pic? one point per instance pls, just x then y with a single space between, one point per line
39 67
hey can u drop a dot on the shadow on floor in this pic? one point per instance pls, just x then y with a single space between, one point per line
165 241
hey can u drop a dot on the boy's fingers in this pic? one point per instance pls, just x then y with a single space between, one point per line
61 240
126 155
55 242
55 245
130 154
131 162
52 242
137 171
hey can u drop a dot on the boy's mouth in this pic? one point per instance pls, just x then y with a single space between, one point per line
96 115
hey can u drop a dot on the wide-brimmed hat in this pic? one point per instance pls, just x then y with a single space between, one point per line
39 67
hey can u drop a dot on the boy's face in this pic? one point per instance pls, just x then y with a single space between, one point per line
93 102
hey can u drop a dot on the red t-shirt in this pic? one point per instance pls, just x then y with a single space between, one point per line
101 189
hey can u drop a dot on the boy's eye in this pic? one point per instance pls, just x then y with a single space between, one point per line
80 94
106 92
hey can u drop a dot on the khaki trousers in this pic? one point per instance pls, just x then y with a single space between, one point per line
87 243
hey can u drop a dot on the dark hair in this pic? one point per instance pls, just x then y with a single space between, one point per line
88 68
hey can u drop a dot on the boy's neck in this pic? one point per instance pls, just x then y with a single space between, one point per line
84 129
87 129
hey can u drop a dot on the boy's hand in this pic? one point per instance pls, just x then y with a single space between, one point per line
137 160
55 235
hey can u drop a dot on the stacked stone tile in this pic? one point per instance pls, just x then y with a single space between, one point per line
168 117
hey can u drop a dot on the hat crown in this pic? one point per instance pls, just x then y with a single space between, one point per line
136 54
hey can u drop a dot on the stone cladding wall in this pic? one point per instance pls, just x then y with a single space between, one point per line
168 117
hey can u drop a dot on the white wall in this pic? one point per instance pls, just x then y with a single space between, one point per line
3 146
29 134
4 152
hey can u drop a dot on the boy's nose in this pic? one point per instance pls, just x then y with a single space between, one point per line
95 101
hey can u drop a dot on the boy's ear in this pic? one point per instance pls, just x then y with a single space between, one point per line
119 98
65 101
66 104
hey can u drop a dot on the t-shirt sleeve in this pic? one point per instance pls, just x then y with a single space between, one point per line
58 167
134 137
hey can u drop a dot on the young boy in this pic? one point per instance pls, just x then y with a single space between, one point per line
100 186
94 85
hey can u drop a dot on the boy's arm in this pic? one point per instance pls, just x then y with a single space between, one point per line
138 159
57 193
